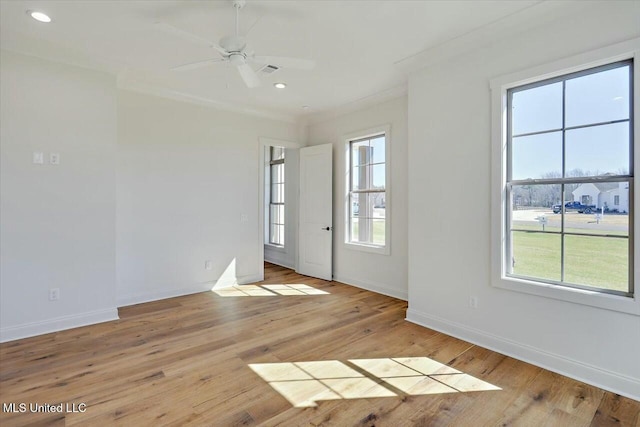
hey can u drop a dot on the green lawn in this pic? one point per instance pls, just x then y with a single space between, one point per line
593 261
378 231
557 229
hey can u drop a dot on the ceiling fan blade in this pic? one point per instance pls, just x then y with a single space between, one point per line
163 26
249 76
198 64
284 62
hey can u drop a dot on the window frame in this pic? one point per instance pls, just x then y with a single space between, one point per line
348 139
564 180
628 50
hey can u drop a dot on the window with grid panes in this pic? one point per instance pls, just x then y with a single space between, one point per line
367 202
569 158
276 196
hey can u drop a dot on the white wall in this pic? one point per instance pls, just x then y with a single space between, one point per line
449 254
287 256
186 174
58 221
385 274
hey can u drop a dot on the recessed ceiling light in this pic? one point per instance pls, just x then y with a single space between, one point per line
279 85
39 16
305 107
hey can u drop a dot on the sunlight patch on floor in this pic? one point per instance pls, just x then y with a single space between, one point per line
268 290
305 383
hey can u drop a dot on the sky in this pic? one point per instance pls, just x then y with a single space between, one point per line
594 98
376 163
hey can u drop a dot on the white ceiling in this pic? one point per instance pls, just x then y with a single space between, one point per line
361 48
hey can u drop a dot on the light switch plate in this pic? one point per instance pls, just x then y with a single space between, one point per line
38 158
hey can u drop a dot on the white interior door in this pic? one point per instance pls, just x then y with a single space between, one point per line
316 212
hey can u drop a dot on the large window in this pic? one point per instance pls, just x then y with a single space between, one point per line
367 191
569 180
276 196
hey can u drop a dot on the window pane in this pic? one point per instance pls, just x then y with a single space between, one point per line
360 153
369 205
361 205
378 176
598 150
535 255
378 234
379 202
272 233
277 214
368 213
281 235
276 234
277 173
610 223
529 202
355 228
277 153
537 156
354 209
598 97
600 207
361 230
537 109
377 148
601 262
277 193
359 177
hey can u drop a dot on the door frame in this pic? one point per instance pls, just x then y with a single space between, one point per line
264 142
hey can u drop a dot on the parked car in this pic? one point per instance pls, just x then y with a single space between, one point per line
575 206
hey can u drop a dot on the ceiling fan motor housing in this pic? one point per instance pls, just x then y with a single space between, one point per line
233 43
237 58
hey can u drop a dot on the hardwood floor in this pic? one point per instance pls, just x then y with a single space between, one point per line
236 358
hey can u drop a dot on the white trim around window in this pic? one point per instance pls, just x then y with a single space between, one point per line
347 139
499 87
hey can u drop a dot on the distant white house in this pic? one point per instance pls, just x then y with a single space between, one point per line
609 195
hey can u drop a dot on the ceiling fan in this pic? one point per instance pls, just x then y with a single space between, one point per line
232 49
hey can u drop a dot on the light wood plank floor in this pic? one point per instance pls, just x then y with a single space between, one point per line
241 358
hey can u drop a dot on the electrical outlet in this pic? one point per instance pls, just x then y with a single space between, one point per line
473 302
54 294
38 158
54 158
208 265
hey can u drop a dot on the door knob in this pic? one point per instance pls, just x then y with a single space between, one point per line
326 228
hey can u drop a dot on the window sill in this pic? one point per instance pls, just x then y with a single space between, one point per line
362 247
630 305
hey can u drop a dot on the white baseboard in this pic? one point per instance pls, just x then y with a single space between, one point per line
274 258
250 278
32 329
373 287
602 378
126 300
281 264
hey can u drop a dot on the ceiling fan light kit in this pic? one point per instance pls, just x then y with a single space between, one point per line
233 50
